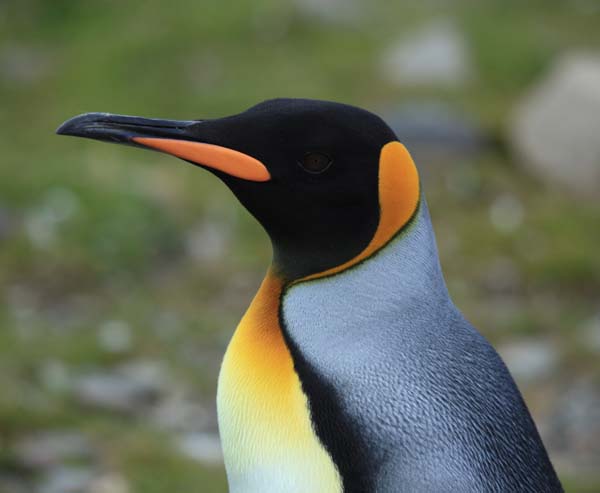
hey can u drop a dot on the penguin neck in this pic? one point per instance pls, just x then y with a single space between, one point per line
298 258
408 263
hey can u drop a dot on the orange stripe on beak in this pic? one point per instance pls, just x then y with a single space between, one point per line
228 161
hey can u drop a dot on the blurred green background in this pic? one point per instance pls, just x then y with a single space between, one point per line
123 273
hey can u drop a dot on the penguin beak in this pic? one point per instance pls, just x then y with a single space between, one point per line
169 136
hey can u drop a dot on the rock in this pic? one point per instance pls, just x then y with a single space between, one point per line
203 447
555 130
436 55
51 448
65 480
108 483
114 336
42 222
179 412
54 376
530 360
435 132
574 427
131 389
147 373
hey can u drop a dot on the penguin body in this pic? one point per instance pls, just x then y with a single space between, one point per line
352 371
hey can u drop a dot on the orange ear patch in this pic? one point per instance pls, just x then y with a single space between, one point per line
398 200
398 193
227 160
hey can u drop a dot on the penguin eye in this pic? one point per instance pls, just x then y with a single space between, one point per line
315 162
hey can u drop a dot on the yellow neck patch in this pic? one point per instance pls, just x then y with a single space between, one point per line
268 440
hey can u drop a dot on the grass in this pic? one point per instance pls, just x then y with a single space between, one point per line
98 232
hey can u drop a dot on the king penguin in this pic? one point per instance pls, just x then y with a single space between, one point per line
352 370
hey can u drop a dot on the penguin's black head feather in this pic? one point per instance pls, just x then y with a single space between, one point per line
306 169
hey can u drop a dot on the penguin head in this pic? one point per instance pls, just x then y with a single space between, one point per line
309 171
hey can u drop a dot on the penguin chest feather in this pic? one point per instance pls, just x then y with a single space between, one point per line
268 439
